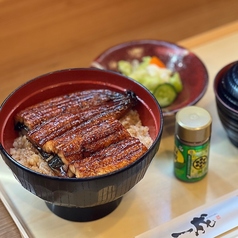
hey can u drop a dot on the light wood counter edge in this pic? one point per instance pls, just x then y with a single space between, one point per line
14 214
209 35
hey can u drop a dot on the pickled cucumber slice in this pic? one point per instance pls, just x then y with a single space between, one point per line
175 80
165 94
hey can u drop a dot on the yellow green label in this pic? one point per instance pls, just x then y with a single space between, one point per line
190 162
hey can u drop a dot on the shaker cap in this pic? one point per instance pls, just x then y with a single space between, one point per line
193 124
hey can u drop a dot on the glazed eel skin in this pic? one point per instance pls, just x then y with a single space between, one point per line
37 114
84 131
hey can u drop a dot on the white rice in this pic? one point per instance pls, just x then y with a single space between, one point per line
24 152
131 121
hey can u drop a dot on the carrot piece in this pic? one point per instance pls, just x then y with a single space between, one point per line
155 60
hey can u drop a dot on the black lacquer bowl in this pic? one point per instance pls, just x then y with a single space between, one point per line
226 94
70 198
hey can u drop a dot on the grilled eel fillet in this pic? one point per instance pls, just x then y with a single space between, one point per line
91 137
109 159
36 114
83 142
66 121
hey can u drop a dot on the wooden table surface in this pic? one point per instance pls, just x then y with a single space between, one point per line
42 36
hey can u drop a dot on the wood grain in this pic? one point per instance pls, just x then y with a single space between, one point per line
7 226
41 36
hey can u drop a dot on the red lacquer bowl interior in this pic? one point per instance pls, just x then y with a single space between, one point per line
192 70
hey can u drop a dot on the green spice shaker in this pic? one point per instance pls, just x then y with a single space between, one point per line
192 143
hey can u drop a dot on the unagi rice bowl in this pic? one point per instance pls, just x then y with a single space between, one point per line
133 122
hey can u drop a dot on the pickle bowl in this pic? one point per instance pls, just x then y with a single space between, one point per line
79 199
192 71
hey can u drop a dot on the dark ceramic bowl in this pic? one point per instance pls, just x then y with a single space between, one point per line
227 113
193 72
79 199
